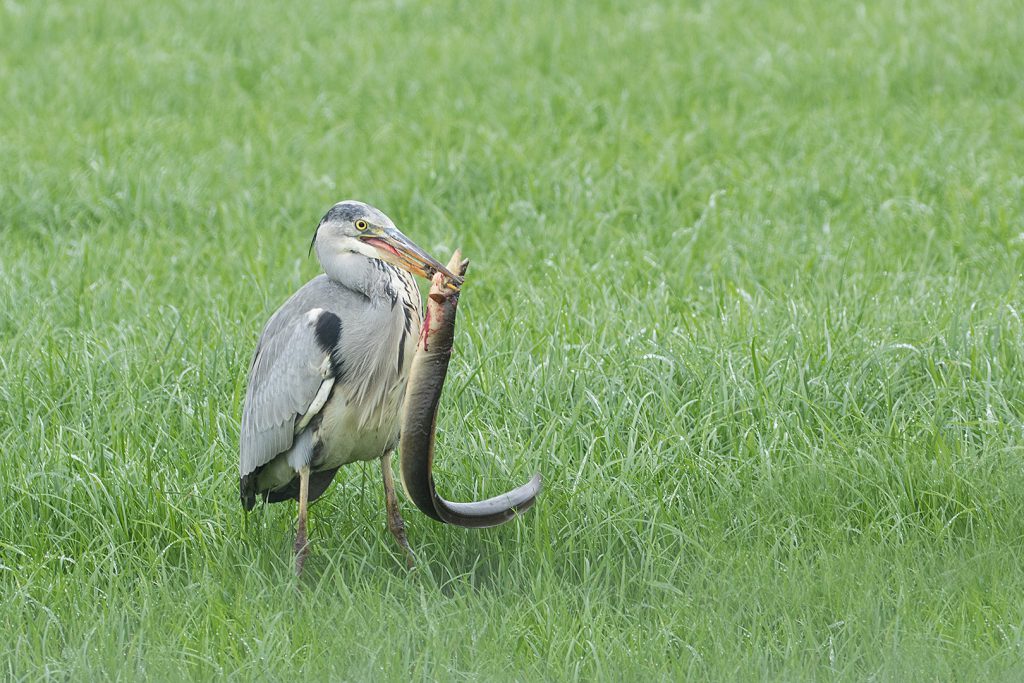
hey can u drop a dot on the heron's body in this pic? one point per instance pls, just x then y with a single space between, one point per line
359 420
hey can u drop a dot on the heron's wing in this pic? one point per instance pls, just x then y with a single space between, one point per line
291 377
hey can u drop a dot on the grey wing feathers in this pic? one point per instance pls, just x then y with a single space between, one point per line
288 369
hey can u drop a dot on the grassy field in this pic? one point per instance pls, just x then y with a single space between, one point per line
746 289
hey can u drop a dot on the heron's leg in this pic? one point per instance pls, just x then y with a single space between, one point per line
395 524
301 544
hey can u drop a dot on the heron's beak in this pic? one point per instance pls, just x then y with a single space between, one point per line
403 252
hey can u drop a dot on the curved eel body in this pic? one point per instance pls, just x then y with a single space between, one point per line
426 379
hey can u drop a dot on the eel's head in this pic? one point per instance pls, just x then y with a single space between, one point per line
438 331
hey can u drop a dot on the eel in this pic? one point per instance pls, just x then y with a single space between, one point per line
419 422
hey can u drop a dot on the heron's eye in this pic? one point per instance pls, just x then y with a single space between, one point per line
361 225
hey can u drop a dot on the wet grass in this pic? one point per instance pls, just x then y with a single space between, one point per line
746 289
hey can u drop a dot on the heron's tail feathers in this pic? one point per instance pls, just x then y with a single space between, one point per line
247 491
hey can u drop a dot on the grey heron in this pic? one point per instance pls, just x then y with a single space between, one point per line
329 374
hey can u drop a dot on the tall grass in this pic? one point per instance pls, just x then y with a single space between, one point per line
746 289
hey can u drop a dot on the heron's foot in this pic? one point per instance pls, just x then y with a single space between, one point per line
395 524
397 528
301 549
301 540
300 560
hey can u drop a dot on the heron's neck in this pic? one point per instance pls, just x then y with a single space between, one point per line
378 281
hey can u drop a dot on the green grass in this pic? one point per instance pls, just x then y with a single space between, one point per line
746 289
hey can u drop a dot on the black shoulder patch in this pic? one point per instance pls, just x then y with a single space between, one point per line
328 331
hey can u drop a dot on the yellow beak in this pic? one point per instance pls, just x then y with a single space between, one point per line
404 253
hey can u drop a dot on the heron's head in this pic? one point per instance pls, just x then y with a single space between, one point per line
352 227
